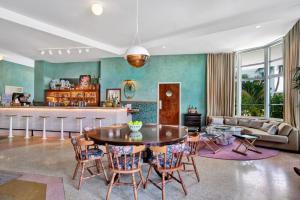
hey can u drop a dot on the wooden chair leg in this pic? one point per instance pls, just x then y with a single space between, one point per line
81 175
76 170
195 169
103 170
97 166
148 176
134 186
182 183
163 186
110 186
142 177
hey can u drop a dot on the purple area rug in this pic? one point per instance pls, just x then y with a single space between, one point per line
226 153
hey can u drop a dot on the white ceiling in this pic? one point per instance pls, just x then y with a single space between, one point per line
184 27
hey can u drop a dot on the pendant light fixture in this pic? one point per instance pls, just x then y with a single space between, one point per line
137 55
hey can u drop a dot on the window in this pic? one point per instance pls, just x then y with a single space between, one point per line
260 82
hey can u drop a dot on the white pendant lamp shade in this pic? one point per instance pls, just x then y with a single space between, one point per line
137 56
136 50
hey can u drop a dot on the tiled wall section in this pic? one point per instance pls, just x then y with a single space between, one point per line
147 113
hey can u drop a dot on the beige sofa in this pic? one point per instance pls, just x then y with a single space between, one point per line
272 134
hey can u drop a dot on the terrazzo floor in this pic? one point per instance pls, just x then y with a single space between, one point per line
268 179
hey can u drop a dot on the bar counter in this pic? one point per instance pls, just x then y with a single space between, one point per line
71 124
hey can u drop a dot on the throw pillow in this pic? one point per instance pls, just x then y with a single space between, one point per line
231 121
273 130
284 129
266 127
244 122
276 123
217 121
256 124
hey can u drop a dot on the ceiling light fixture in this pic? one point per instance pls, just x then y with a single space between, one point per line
258 26
136 55
50 52
59 52
87 50
42 52
79 51
68 51
97 9
164 47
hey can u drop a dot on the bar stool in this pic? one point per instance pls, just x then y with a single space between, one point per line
27 126
62 127
80 120
10 135
44 127
100 121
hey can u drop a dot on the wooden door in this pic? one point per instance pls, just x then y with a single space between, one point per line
169 103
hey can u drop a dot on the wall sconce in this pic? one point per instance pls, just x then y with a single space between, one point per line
129 89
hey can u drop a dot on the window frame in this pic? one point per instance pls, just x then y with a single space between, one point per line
266 78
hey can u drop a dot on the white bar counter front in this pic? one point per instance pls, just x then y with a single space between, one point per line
71 124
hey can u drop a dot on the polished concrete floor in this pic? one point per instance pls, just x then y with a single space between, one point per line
268 179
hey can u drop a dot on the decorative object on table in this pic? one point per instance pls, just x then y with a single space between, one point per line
136 55
136 135
113 95
135 126
192 110
85 81
193 121
53 84
129 89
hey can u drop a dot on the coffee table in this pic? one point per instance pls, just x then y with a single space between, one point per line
246 141
225 133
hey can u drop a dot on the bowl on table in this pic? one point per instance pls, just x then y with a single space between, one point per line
135 126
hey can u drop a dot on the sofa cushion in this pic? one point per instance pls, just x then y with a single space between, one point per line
266 126
244 122
255 124
217 120
264 136
284 129
231 121
273 130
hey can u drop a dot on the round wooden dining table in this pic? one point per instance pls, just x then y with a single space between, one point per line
151 135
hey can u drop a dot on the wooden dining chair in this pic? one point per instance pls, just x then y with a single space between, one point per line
192 152
167 160
125 160
87 152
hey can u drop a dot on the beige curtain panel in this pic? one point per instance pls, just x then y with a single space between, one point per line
220 84
291 61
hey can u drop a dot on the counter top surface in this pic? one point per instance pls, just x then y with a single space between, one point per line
62 107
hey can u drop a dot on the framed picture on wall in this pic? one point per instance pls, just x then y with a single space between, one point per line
112 93
84 81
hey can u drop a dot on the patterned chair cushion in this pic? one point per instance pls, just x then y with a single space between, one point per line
128 163
171 149
92 153
121 150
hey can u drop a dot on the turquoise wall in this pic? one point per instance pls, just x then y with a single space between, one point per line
16 75
190 70
45 72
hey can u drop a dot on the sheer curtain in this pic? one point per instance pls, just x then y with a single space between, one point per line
291 61
220 84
